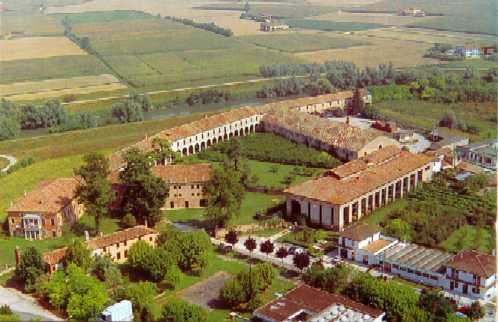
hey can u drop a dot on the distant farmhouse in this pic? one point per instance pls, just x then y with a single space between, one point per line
470 273
273 25
482 154
42 212
468 51
412 12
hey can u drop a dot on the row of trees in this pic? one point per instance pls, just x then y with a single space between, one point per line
399 301
208 97
295 86
208 26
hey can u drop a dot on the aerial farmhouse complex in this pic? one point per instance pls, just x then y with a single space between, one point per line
470 273
42 212
348 192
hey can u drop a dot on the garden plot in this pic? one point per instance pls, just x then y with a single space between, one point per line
60 87
206 293
37 47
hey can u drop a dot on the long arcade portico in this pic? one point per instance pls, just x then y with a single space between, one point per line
335 203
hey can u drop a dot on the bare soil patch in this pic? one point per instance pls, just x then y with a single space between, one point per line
206 293
37 47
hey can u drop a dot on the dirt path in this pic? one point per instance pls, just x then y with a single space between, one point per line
25 306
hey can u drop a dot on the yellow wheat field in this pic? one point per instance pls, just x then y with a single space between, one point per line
37 47
29 91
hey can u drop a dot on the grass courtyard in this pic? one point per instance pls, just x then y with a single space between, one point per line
470 237
252 203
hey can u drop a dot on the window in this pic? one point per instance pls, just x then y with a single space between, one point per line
119 256
126 254
12 220
52 221
172 204
192 186
125 243
150 238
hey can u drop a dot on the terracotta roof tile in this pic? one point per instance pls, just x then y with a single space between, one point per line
48 197
207 123
312 300
474 262
336 134
119 237
57 255
359 232
184 173
304 101
335 191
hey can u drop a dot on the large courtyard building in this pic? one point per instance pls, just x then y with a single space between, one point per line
469 273
43 211
342 139
115 246
351 191
196 136
187 184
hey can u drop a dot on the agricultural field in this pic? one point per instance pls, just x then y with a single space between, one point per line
300 42
35 25
28 91
380 51
477 16
152 53
50 68
326 25
388 19
37 47
470 237
425 115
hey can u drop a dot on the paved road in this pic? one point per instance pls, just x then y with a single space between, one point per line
25 306
11 160
256 80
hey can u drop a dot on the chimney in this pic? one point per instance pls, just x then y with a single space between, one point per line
146 224
87 235
17 252
101 234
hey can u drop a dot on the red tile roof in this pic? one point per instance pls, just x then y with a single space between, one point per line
184 173
119 237
474 262
304 101
359 232
336 134
335 191
207 123
312 300
57 255
48 197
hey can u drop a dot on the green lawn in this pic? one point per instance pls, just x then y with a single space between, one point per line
297 42
218 264
380 215
306 238
273 175
470 237
252 203
8 246
3 163
107 138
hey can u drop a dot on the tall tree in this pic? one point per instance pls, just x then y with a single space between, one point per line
145 193
163 153
357 104
225 192
79 254
30 267
94 189
267 247
177 310
301 260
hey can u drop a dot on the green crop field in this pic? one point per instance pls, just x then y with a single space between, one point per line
477 16
287 10
470 237
425 115
30 26
296 42
327 25
153 53
50 68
